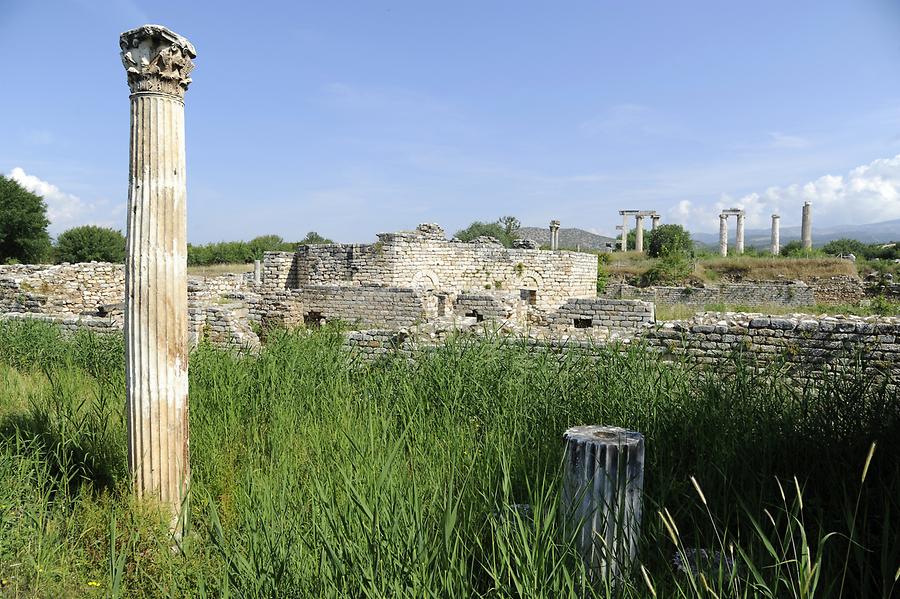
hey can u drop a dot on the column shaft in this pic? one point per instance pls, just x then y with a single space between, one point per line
156 332
776 241
639 233
723 235
624 242
806 227
739 235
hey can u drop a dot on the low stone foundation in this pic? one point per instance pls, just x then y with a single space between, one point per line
757 293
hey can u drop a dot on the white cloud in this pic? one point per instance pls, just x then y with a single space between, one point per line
64 210
868 193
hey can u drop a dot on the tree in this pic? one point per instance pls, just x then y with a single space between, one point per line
669 240
313 238
510 225
847 246
478 228
90 243
23 224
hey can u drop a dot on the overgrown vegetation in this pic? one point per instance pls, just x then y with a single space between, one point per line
317 477
503 230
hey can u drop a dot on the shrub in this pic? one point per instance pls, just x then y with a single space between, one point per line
669 240
90 243
669 270
478 228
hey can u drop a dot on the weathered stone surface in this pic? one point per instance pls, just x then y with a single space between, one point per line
158 63
603 481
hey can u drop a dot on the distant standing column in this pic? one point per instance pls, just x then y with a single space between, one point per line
554 235
158 63
776 242
257 272
739 234
639 233
806 226
654 221
723 234
624 233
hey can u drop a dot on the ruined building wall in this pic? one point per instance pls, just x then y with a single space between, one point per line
425 259
807 345
63 289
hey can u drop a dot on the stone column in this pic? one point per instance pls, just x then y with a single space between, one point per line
739 234
603 481
257 272
624 233
776 242
554 235
806 226
639 233
654 221
158 63
723 234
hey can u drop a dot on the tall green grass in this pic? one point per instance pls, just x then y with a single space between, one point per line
316 475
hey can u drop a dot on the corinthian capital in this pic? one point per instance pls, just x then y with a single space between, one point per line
157 60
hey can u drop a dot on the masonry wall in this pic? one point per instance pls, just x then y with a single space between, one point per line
584 314
63 289
840 289
807 346
757 293
364 305
425 259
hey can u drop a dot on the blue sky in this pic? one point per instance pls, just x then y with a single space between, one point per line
354 117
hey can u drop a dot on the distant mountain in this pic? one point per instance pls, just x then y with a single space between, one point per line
882 232
568 238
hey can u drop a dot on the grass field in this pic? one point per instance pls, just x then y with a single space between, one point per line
317 477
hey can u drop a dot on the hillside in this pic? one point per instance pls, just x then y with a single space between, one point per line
568 238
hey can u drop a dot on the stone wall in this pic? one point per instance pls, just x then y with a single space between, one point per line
753 293
500 307
806 345
364 305
606 315
61 290
841 289
424 259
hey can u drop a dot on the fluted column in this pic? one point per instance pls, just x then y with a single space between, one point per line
554 235
723 234
639 233
776 233
624 242
654 221
158 63
806 226
603 481
739 234
257 272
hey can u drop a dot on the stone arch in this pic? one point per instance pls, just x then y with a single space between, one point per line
531 280
426 280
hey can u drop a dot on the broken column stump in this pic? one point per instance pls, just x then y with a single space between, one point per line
603 481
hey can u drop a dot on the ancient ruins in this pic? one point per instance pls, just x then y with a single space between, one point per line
739 231
638 227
